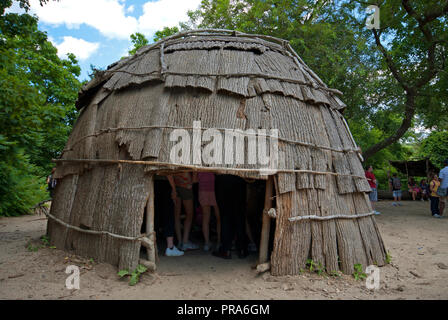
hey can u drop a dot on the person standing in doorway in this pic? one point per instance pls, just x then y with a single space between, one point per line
182 191
373 194
164 208
207 200
231 198
442 191
434 197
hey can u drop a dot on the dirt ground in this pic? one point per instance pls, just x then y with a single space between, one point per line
417 243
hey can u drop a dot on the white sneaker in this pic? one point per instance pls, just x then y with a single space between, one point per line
189 246
437 216
173 252
394 204
377 212
206 247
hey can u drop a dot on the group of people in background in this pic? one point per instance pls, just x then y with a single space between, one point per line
435 190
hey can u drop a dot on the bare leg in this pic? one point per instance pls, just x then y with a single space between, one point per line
218 223
206 223
177 211
188 205
169 242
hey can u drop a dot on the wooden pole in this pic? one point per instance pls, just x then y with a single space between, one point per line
150 222
266 226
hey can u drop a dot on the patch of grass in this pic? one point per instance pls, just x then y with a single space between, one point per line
320 269
32 248
359 274
315 267
45 243
45 240
388 258
134 275
310 264
335 274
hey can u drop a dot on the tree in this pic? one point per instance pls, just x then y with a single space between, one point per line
37 95
332 38
165 32
412 47
138 40
435 147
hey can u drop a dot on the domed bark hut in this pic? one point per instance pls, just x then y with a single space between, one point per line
225 80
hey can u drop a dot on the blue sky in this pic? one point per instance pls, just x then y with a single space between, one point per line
98 31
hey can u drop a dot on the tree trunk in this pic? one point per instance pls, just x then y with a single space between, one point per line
405 125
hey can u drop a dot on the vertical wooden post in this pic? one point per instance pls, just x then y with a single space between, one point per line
150 222
266 224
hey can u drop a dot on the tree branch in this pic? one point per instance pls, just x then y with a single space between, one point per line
390 62
405 125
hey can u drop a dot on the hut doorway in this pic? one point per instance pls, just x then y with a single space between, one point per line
257 229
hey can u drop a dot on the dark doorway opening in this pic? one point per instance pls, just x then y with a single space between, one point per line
251 207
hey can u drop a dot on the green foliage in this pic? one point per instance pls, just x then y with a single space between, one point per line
435 147
359 274
32 248
315 267
20 189
332 39
45 243
134 275
165 32
138 40
335 274
388 258
310 264
37 95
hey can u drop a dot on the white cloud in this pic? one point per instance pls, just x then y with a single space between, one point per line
107 16
164 13
110 17
79 47
130 9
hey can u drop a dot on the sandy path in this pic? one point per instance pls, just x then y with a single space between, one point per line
418 245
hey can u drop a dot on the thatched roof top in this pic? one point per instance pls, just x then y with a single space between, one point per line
241 64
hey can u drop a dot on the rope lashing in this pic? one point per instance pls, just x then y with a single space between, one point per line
146 242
